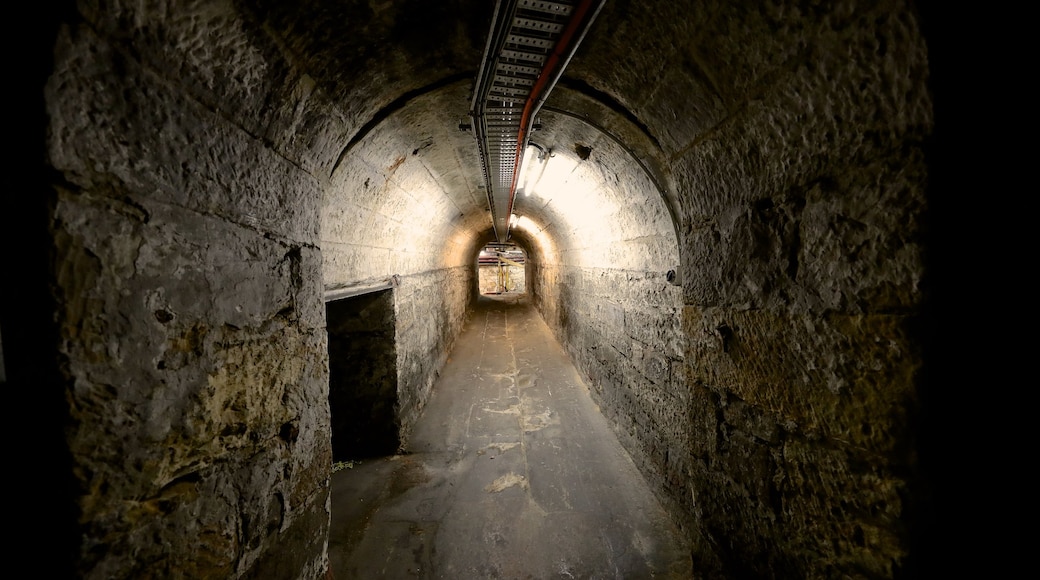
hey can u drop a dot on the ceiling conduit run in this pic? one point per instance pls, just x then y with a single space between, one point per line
529 45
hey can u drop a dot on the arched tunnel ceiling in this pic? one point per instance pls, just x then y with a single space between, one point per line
650 80
406 192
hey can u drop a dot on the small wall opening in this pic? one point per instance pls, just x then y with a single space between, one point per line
501 269
363 375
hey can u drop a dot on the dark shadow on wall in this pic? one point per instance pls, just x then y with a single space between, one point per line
957 428
40 466
363 376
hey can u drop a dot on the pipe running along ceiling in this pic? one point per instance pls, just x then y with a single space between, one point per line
528 47
407 190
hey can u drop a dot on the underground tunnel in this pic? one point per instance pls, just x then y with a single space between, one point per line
717 211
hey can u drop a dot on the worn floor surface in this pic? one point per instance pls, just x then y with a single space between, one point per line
511 472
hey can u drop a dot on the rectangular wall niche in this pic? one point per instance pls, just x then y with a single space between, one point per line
363 375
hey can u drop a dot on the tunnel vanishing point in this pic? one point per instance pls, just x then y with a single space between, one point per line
723 210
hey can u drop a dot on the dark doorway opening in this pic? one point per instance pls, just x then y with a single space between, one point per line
363 375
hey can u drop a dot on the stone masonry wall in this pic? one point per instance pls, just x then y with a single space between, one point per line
802 287
192 322
514 277
431 310
621 329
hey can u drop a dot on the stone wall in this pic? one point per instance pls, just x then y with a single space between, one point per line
386 356
622 330
431 310
190 312
803 263
600 281
513 276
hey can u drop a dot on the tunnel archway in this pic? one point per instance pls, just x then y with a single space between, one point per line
502 269
211 173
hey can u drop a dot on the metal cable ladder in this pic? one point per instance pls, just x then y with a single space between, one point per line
528 47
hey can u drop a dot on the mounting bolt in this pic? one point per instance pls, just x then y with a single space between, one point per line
673 277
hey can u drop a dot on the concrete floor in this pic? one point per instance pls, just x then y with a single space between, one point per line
511 472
